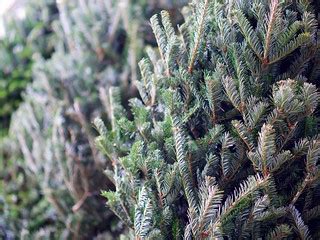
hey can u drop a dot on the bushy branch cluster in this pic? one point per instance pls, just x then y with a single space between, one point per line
97 45
223 142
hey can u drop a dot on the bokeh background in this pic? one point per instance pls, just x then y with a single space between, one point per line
58 60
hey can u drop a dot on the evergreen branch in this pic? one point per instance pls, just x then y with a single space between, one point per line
249 34
171 55
312 214
184 169
243 133
172 52
280 232
143 215
285 98
146 91
298 66
226 158
199 32
289 48
311 97
288 136
302 187
272 213
188 232
146 220
211 199
158 175
272 19
232 92
240 70
256 113
311 166
260 206
246 188
166 22
287 35
300 226
214 94
280 159
313 155
266 148
160 35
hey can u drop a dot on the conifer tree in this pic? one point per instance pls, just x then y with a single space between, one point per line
223 142
97 46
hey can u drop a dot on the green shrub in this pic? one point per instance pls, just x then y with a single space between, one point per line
223 141
97 45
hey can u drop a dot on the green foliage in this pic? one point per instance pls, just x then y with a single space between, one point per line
23 39
96 45
23 209
219 146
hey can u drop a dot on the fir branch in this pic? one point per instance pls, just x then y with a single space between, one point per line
246 188
201 23
300 226
280 232
226 157
147 90
184 168
311 167
302 187
160 35
232 92
280 159
272 18
284 37
166 22
301 39
266 148
249 34
256 113
313 155
214 94
311 97
311 214
211 199
243 133
143 215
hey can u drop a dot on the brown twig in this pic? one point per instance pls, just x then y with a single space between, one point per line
273 10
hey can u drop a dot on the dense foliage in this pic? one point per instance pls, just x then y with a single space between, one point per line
223 142
24 38
20 196
52 189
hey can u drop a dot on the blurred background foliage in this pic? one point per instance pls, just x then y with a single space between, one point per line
56 67
24 37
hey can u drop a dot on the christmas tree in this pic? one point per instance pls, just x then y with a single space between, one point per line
223 141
